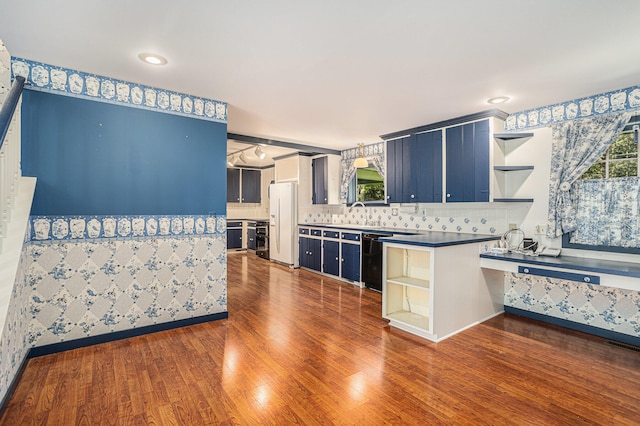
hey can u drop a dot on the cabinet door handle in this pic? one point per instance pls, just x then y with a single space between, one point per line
310 253
587 279
448 195
413 196
525 270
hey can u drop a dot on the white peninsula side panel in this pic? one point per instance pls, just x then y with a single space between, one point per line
435 292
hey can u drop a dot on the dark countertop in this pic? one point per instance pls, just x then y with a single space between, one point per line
439 239
413 237
612 267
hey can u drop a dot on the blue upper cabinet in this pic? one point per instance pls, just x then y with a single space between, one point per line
468 162
248 180
414 168
426 167
251 186
398 170
319 178
233 185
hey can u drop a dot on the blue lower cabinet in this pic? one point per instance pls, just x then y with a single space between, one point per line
310 254
251 238
234 238
331 255
351 261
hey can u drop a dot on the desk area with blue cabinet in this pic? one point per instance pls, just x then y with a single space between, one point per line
584 294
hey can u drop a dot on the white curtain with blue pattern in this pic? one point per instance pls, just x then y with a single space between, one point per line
373 153
576 146
608 212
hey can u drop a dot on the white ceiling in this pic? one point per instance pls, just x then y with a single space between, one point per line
334 73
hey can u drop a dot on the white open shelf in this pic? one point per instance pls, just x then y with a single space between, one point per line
410 318
409 281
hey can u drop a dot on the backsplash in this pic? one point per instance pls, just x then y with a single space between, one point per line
472 219
609 308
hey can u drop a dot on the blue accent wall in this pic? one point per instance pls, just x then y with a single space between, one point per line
94 158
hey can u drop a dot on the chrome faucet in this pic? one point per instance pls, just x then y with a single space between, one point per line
355 204
366 217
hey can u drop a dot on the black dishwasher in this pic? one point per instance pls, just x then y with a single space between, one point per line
372 261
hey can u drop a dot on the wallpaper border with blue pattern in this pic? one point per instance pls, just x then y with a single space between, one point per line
604 103
65 81
56 228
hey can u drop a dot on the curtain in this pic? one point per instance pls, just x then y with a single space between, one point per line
373 153
608 212
576 146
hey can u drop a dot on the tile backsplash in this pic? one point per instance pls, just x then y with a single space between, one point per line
476 219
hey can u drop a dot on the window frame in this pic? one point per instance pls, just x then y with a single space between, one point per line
352 195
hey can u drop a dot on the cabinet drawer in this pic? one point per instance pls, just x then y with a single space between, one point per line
331 234
234 224
583 278
304 231
316 232
350 236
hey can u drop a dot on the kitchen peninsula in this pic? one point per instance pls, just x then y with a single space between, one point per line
433 285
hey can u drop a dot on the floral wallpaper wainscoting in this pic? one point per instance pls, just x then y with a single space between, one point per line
609 308
95 275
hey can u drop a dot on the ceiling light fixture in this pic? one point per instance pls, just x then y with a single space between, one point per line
231 161
243 157
259 153
360 162
152 58
498 100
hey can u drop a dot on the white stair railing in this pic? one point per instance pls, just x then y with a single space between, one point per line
10 169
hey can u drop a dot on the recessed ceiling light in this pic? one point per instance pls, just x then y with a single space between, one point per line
498 100
152 58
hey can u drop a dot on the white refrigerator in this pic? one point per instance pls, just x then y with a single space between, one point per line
283 223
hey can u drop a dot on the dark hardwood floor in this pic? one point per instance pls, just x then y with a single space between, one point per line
299 348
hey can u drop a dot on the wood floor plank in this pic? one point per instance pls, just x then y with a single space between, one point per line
300 348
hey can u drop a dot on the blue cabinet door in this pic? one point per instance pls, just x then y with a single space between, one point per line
426 167
320 168
251 192
251 238
234 238
303 252
351 261
331 256
315 248
468 171
310 254
398 170
233 185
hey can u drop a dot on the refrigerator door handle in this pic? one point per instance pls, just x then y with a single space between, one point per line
278 227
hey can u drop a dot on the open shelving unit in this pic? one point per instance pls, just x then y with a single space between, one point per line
407 278
514 171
